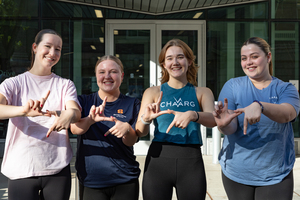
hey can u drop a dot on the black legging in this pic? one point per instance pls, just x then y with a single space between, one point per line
52 187
129 190
170 165
279 191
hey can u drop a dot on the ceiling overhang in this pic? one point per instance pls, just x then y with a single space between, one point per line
160 7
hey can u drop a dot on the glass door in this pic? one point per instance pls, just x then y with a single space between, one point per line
138 43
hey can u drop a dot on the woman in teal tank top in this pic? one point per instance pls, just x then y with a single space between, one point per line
177 107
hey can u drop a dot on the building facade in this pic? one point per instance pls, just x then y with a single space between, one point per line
136 30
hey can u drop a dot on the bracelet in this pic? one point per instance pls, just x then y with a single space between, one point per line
262 108
146 123
197 116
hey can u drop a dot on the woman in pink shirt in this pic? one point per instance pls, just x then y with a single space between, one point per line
37 103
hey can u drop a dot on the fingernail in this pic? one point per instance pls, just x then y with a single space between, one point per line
41 105
100 113
47 135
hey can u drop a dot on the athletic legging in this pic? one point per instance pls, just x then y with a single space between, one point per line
171 165
52 187
126 191
279 191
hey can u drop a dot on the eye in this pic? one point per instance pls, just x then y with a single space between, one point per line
243 59
180 57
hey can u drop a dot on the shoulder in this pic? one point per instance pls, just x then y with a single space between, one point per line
129 99
152 91
86 98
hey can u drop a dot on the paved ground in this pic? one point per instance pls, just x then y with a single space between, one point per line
215 190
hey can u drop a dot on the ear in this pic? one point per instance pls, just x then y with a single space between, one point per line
122 76
269 57
34 46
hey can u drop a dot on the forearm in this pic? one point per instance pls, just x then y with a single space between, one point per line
281 113
8 111
206 119
131 137
141 128
81 126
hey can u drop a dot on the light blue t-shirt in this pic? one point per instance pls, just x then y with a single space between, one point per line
266 154
182 100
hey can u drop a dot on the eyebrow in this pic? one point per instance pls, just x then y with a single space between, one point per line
251 53
181 54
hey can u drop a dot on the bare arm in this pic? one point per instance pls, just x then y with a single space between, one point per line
32 108
150 109
96 115
64 118
206 102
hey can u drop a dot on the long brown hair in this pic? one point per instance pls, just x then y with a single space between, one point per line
264 46
38 39
192 69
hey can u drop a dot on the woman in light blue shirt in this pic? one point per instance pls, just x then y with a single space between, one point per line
257 156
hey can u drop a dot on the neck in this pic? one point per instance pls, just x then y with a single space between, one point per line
177 84
39 72
263 83
110 96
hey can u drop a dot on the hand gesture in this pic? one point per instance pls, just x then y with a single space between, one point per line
153 111
181 119
97 113
222 116
120 128
252 114
33 108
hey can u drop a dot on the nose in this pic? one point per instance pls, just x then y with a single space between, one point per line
52 51
175 61
249 61
107 75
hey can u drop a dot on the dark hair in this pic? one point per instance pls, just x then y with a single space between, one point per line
38 39
264 46
192 69
110 57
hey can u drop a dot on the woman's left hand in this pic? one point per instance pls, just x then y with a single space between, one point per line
120 128
62 120
181 119
252 114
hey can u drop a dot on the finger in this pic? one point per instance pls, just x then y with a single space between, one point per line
245 125
171 126
36 104
47 95
49 131
51 113
165 112
107 119
45 98
158 101
104 102
226 103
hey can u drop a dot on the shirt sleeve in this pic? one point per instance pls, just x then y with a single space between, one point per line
227 92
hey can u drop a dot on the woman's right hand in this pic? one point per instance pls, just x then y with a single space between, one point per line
97 113
33 108
152 110
222 115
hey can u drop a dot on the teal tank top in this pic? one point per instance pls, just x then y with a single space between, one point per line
181 100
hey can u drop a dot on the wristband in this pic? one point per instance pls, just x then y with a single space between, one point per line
197 116
262 108
146 123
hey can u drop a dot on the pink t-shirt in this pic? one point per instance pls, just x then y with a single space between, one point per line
28 152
